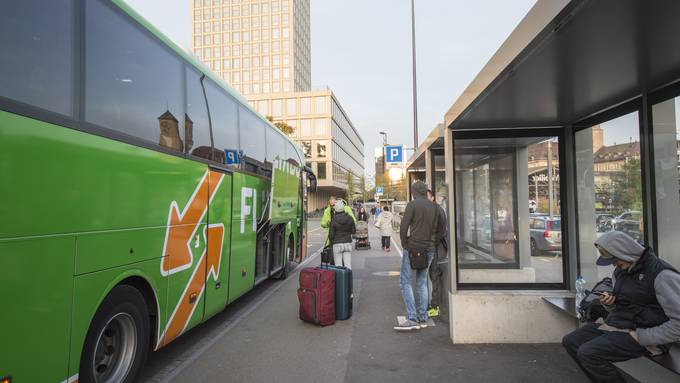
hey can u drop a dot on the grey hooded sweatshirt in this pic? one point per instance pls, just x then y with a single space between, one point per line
666 288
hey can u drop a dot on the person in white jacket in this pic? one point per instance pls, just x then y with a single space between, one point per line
384 223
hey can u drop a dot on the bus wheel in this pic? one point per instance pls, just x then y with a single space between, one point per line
118 339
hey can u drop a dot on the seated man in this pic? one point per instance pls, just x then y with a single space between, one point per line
644 310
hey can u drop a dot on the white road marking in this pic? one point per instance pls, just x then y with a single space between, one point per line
401 254
195 354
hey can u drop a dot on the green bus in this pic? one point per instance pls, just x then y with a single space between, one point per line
141 194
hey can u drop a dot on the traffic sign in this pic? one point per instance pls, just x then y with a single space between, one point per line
394 156
379 190
233 156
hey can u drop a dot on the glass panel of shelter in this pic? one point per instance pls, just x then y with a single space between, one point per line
609 188
503 187
666 138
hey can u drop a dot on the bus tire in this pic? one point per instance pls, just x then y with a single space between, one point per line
117 342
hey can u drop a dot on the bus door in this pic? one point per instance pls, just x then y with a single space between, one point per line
219 242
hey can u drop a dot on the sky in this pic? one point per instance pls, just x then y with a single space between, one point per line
361 49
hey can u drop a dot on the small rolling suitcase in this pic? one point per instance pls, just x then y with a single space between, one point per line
317 296
343 292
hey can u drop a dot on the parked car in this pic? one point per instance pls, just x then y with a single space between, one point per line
545 234
629 223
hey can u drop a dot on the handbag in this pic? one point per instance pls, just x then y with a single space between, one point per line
417 255
327 254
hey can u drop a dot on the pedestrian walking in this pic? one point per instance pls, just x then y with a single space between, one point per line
340 235
362 215
420 227
329 212
384 223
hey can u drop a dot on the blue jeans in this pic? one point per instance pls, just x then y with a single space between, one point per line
421 288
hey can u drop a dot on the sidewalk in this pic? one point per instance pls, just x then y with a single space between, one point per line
272 344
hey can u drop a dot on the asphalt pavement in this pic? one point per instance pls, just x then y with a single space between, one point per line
261 339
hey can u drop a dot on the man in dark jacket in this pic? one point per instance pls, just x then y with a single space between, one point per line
644 310
421 228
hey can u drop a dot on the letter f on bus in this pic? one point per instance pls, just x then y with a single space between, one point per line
248 209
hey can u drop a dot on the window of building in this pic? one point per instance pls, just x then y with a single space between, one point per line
39 70
321 170
607 195
265 7
265 87
498 238
305 105
276 87
276 108
256 88
236 64
263 107
666 117
306 127
285 33
320 105
307 148
235 10
123 95
321 148
291 107
286 86
255 8
320 127
236 37
275 20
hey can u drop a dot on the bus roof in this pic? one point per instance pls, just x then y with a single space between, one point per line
191 59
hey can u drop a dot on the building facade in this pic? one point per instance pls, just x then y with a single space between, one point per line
332 146
258 47
262 48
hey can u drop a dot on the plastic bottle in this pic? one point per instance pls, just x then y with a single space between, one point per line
580 293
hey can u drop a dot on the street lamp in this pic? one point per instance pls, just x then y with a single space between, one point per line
384 134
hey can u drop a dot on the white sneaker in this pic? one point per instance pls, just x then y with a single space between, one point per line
407 325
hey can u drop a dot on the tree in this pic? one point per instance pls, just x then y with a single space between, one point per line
350 186
626 191
285 128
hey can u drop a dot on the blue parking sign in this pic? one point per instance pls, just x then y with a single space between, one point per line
394 154
232 156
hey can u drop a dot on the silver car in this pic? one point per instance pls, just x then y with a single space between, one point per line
546 235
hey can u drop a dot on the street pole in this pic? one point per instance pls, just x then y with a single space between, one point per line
550 183
415 88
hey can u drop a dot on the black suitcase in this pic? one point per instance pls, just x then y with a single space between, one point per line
343 291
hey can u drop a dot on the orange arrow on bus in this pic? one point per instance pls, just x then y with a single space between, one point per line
193 292
181 226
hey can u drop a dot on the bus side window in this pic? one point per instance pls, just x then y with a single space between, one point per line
197 137
36 63
252 134
143 101
224 117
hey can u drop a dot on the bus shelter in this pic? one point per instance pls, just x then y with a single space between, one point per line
569 131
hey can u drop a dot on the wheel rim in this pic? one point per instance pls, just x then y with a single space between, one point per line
116 349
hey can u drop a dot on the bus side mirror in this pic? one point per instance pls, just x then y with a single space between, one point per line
311 179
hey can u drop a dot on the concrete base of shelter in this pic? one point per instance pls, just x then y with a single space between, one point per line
507 317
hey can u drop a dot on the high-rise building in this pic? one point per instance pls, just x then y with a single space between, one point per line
262 49
257 46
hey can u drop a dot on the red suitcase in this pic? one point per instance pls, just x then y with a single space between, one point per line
317 296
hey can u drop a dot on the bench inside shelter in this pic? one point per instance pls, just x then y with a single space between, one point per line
662 368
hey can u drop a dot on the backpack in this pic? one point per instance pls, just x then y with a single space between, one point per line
590 308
